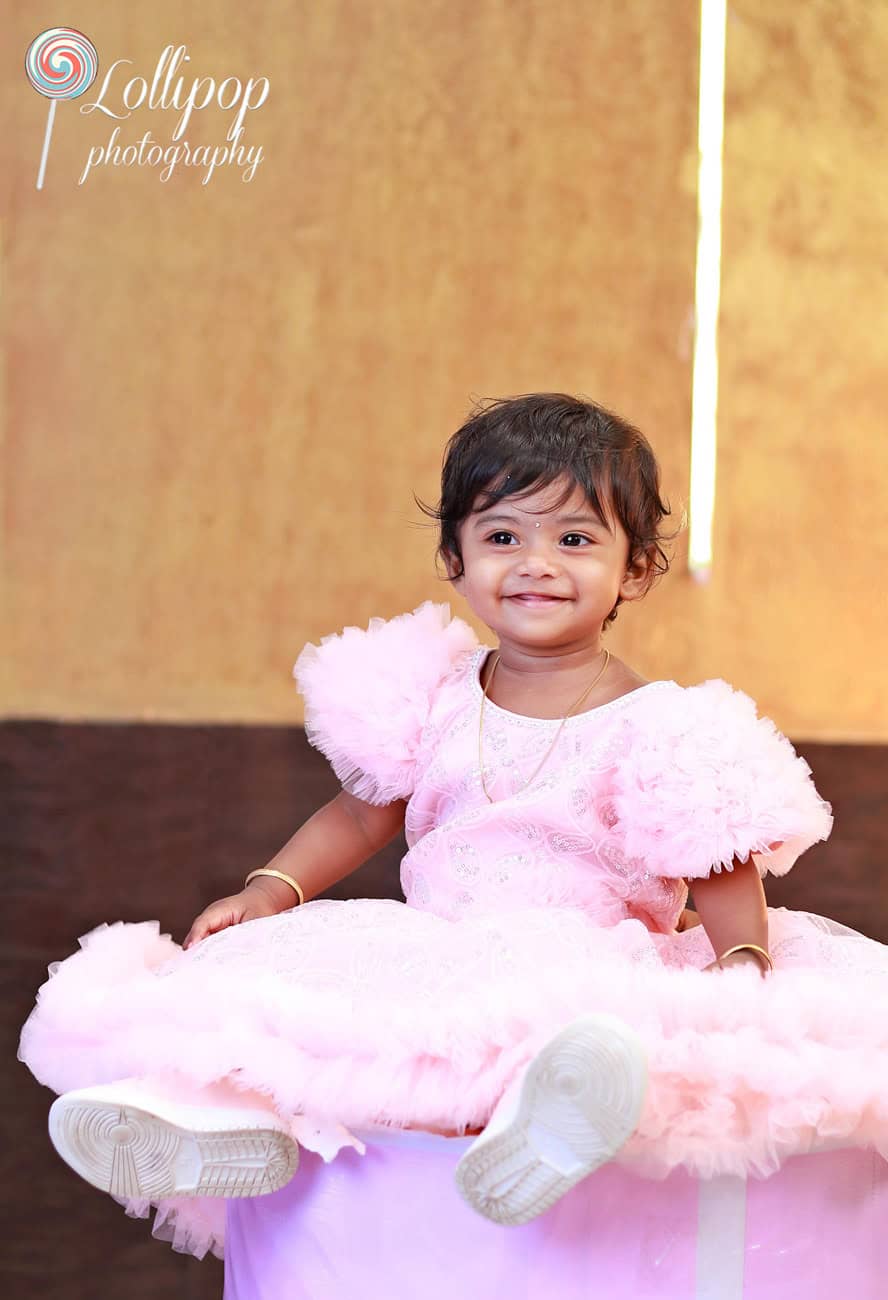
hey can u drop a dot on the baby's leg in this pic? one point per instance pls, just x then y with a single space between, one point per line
152 1138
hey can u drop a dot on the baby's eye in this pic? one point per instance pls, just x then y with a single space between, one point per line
503 533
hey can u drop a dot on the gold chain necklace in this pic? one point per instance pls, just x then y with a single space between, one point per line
557 733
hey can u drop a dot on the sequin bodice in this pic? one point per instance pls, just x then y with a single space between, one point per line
549 842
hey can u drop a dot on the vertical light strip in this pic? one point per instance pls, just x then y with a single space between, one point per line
704 398
721 1237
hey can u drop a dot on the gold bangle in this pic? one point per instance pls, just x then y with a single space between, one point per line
280 875
752 947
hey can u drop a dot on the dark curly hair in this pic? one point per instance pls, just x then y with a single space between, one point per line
509 446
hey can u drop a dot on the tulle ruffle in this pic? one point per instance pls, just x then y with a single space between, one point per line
368 1012
368 693
192 1225
706 780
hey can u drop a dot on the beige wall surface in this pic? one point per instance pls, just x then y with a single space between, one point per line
218 400
801 608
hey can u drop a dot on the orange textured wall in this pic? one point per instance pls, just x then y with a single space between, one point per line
219 399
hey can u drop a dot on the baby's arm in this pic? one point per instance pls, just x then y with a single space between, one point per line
333 843
687 920
733 910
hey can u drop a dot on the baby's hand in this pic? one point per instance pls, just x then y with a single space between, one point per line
245 906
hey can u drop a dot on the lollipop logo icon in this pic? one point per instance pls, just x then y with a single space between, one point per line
61 63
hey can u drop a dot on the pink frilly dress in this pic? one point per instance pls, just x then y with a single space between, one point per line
519 915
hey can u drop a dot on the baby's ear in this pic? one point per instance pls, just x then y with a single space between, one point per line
451 565
638 575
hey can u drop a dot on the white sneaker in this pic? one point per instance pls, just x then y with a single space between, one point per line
131 1142
569 1111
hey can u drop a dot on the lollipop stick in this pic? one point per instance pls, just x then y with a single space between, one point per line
46 139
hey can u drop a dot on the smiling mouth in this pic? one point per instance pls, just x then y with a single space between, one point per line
538 600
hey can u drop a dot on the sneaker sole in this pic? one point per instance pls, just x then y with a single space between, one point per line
135 1153
579 1102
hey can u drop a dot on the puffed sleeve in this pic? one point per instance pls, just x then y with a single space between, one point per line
368 692
704 779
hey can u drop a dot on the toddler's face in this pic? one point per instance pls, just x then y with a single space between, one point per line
575 558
